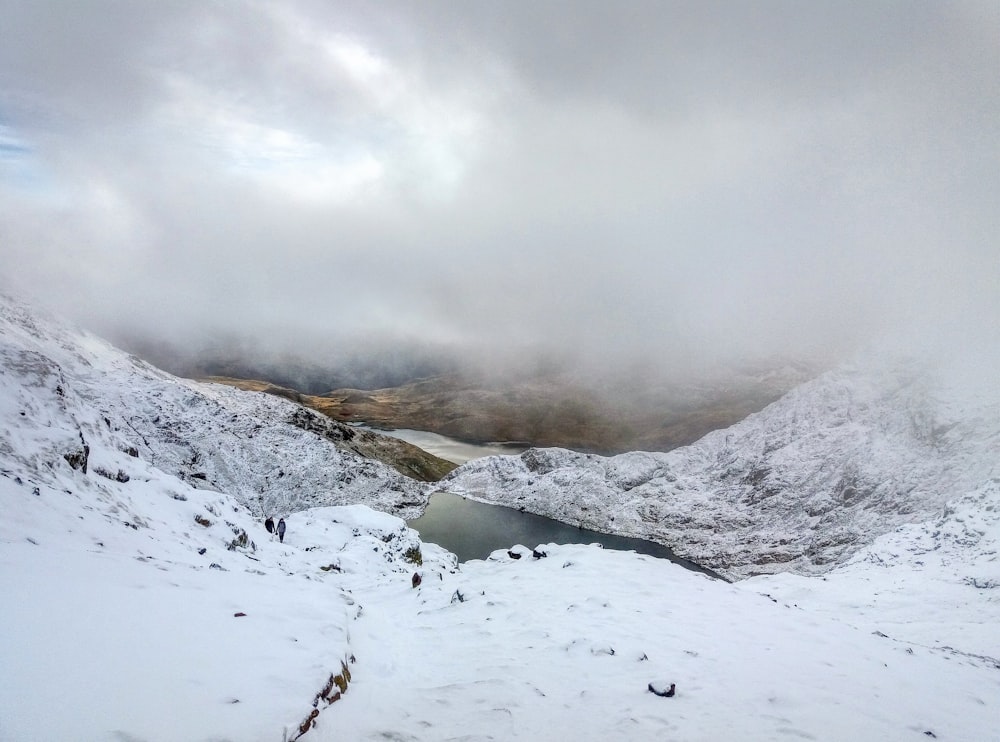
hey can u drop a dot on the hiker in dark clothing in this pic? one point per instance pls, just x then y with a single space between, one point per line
281 530
269 524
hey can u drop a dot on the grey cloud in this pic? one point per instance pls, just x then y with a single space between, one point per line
672 183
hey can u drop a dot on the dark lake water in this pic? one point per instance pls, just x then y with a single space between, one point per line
472 530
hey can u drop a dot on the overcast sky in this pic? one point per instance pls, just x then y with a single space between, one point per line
613 180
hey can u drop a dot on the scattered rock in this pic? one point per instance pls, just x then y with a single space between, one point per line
308 724
661 689
241 541
119 476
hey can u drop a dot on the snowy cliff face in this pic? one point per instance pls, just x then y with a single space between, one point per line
800 486
67 391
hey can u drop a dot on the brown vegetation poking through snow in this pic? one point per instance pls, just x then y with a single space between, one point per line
335 687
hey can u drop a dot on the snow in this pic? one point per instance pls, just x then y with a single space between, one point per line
933 584
113 630
141 603
114 633
565 647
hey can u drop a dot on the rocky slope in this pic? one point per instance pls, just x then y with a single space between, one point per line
800 486
70 389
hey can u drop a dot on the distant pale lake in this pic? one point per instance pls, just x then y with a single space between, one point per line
473 530
450 449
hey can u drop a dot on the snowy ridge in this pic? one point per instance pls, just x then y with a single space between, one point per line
263 450
800 486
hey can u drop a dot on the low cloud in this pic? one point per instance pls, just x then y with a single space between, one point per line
667 185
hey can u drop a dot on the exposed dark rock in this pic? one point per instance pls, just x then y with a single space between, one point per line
78 459
661 690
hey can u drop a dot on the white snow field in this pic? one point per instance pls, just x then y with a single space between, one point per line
143 604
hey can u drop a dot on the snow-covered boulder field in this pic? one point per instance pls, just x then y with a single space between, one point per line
800 486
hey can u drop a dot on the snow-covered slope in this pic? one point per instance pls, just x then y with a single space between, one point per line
68 390
138 607
127 616
149 610
800 486
935 584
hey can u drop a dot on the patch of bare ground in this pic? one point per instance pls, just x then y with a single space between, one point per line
550 412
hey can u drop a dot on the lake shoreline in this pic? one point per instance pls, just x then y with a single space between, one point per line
473 528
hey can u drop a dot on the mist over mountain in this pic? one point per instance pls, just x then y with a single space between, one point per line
364 365
675 188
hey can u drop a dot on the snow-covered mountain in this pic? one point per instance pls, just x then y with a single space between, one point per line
800 486
70 389
934 583
143 600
